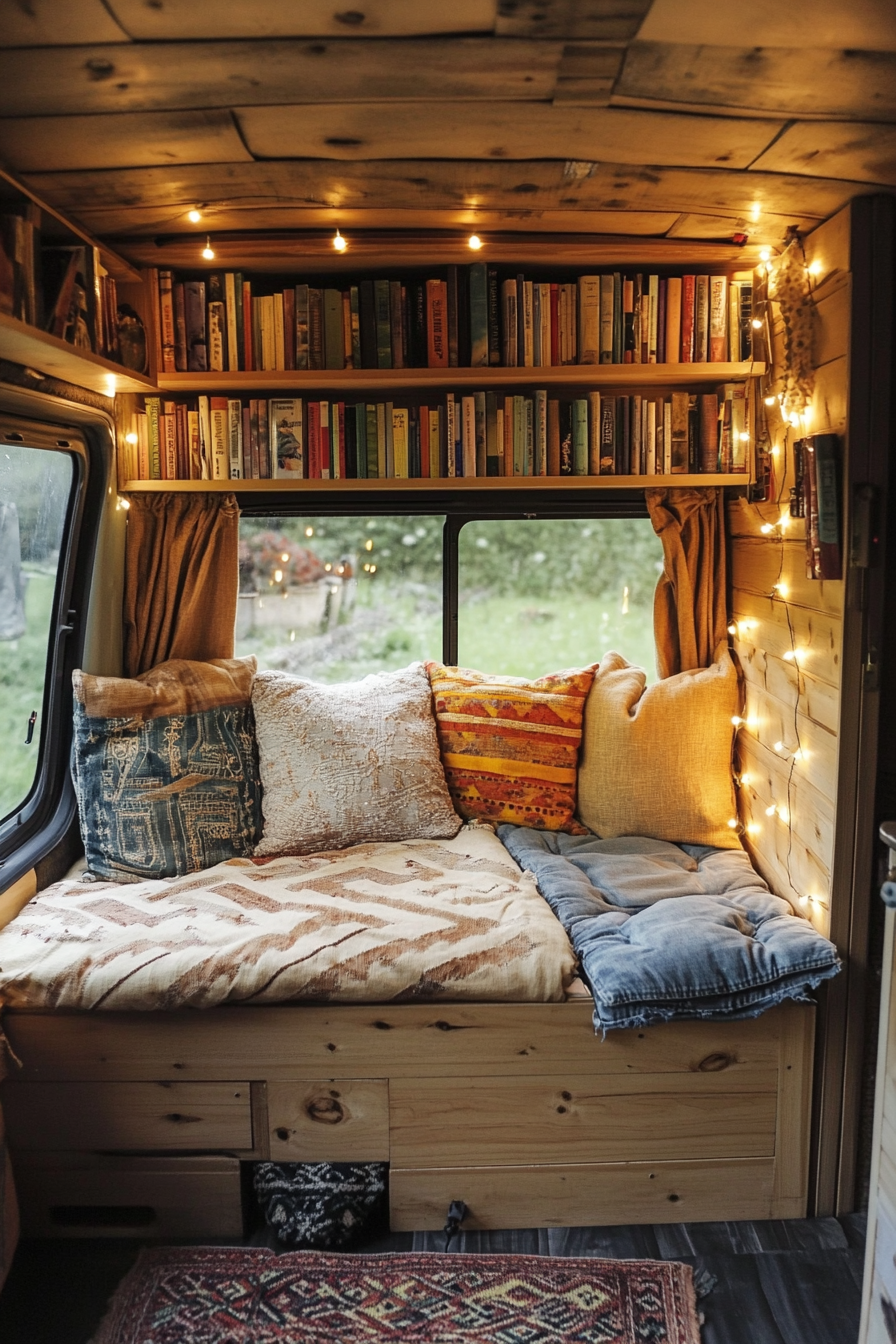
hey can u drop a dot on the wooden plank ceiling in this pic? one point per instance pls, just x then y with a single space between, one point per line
680 119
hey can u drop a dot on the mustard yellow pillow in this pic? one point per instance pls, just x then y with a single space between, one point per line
657 761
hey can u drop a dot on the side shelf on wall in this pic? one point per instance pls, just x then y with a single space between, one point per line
584 484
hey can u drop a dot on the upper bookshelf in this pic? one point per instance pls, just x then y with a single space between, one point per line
70 308
354 380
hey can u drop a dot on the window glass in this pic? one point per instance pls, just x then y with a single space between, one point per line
537 595
35 487
333 599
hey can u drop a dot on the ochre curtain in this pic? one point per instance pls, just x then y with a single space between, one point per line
689 610
181 579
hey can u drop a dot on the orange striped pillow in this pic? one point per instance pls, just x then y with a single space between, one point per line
510 746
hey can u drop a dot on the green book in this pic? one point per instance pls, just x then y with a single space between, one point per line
580 437
478 315
372 457
334 337
383 308
360 412
481 439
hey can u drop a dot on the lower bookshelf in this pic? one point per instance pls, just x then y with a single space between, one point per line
460 483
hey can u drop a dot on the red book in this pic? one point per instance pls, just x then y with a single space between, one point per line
687 319
289 328
342 472
314 444
555 324
437 324
248 352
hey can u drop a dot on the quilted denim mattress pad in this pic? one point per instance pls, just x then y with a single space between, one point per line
667 931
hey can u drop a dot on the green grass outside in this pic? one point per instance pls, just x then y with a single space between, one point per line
515 636
23 665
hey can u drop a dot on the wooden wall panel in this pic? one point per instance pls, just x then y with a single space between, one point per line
501 131
157 76
779 612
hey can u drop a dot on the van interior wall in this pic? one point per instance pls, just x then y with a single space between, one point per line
789 642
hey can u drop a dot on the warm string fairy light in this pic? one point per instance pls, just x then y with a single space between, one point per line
796 655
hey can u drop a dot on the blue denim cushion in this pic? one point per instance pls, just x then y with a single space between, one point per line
166 795
665 931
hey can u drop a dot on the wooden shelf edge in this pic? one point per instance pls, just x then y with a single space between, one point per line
592 375
586 483
36 349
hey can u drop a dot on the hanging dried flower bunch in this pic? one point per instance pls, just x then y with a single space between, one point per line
789 288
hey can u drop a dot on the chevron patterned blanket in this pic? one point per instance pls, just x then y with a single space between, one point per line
376 923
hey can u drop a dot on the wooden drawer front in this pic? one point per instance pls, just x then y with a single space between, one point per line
332 1121
582 1195
443 1122
87 1195
94 1116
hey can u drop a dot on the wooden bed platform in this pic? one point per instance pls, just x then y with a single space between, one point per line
135 1124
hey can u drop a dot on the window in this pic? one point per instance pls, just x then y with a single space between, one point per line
334 598
539 594
36 489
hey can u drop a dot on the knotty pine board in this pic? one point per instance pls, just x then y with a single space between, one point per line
150 1115
572 1195
869 26
336 1120
816 699
796 81
403 1041
855 151
494 130
45 23
184 20
111 199
120 140
158 76
756 566
769 629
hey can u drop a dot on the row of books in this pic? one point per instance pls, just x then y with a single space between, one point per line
60 288
469 319
815 497
478 435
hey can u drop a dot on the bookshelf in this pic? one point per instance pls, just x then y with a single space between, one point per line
34 348
563 375
560 484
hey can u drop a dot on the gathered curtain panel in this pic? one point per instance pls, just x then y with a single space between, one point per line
181 579
690 606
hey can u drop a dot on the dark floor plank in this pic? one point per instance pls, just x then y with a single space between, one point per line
814 1297
801 1234
736 1310
612 1243
855 1227
525 1241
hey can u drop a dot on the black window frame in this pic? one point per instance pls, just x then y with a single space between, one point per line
458 507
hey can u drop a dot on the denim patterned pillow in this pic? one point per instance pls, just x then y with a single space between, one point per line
166 768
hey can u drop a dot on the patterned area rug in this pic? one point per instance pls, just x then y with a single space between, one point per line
234 1296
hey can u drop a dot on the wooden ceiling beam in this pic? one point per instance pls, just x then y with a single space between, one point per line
469 190
163 76
120 140
47 23
787 82
863 25
185 20
610 20
369 131
856 151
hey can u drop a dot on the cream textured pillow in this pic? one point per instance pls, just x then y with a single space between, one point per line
348 763
657 762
